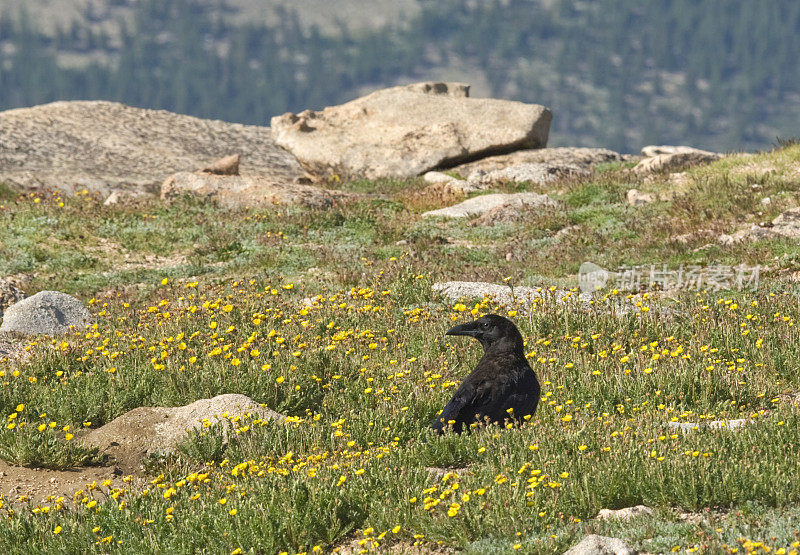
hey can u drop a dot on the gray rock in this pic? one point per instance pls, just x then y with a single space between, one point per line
437 472
457 290
657 150
443 186
8 296
624 514
710 424
101 146
45 313
248 190
503 214
671 160
521 298
581 157
121 195
786 225
438 177
159 430
635 198
408 130
229 165
481 204
534 172
600 545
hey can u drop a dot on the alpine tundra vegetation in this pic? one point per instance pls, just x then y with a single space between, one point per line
328 317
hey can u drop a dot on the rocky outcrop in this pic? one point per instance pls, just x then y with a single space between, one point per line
481 204
786 225
248 190
581 157
444 185
408 130
672 158
102 146
45 313
160 430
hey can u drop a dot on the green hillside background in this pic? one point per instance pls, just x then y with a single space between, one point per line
619 74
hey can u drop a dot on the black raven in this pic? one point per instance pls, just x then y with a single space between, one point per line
502 386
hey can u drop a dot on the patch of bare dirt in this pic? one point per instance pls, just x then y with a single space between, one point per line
39 486
12 349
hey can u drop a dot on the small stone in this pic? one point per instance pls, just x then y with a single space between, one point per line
668 158
229 165
45 313
766 201
481 204
120 195
624 514
635 198
711 424
437 177
600 545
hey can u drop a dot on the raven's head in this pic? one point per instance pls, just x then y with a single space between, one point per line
491 330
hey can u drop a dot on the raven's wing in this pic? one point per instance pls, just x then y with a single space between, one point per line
471 400
525 397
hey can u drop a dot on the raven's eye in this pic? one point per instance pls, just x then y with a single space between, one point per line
485 324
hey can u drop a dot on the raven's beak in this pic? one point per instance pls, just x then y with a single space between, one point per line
468 329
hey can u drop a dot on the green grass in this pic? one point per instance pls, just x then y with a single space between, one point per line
353 352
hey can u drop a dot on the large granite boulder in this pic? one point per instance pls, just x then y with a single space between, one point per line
408 130
103 146
248 190
45 313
